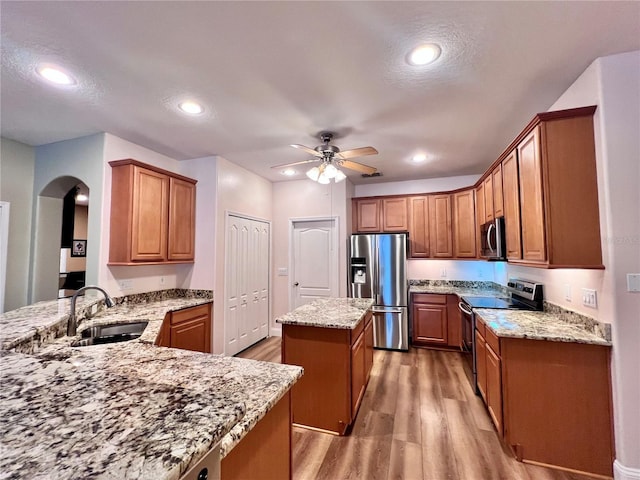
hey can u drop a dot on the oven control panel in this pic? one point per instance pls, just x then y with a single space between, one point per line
525 288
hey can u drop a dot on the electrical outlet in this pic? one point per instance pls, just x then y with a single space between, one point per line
480 273
443 273
589 298
163 281
125 285
567 293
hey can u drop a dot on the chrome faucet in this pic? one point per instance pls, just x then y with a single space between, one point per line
72 326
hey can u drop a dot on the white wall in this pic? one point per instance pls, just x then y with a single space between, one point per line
306 199
612 83
416 186
17 165
46 251
144 278
432 269
237 191
80 158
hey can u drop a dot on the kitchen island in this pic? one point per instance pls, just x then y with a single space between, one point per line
332 338
130 409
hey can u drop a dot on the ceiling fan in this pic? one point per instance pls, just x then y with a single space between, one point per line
332 158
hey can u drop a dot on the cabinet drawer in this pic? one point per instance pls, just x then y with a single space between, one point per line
480 327
492 340
355 333
189 314
429 298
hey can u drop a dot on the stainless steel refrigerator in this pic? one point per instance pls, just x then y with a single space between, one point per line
378 270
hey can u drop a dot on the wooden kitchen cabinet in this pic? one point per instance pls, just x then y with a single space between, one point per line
488 198
464 224
498 200
337 363
440 223
188 329
435 320
545 398
558 192
376 215
511 191
419 226
152 215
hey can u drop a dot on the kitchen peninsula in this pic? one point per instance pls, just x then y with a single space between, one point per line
130 409
332 338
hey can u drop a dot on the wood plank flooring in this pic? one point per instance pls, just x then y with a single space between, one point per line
419 420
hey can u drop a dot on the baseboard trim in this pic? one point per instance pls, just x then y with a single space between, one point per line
620 472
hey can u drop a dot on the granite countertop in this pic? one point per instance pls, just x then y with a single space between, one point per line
125 410
460 288
536 326
343 313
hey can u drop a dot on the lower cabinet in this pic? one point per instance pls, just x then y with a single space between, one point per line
550 401
435 320
188 329
265 452
336 363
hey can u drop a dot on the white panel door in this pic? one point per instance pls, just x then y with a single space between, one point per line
247 283
315 261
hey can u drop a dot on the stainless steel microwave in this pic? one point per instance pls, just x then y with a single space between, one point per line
493 240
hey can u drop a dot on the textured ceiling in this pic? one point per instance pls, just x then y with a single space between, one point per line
275 73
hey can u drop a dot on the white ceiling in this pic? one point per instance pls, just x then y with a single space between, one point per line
275 73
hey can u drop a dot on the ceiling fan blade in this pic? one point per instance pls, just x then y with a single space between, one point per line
308 150
296 163
358 167
357 152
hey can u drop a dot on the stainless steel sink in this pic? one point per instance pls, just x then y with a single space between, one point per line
110 333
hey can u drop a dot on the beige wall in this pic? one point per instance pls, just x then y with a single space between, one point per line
305 199
17 164
80 224
242 192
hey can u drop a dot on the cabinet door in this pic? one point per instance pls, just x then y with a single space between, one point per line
358 376
454 322
480 205
368 346
511 198
395 215
531 198
464 225
367 215
488 199
419 227
430 324
149 215
190 329
494 388
498 201
440 235
481 364
182 220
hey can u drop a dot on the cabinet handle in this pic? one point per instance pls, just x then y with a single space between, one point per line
462 307
296 284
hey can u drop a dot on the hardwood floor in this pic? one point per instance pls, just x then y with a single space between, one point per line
419 419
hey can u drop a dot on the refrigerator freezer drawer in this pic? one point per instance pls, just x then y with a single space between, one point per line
390 328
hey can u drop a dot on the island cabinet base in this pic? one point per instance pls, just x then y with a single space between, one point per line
265 452
336 366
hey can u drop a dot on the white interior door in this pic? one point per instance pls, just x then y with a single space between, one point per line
247 283
314 261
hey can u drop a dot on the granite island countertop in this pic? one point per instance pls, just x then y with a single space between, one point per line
140 391
342 313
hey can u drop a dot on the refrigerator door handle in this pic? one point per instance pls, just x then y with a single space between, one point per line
386 310
376 272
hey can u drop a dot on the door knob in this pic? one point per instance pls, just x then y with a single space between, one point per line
296 284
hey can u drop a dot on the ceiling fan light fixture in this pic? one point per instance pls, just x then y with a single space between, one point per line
323 179
314 174
330 171
424 54
339 176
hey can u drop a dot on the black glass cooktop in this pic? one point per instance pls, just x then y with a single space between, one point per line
493 302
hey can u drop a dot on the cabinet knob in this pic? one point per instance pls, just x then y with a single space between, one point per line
296 284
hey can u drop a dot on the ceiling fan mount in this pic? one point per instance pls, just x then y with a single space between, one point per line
331 154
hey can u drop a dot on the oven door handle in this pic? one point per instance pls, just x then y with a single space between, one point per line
463 307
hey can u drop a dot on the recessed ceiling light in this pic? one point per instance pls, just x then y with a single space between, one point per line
289 172
419 158
55 75
81 197
190 107
424 54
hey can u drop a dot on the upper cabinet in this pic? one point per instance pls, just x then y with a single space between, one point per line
152 215
376 215
419 226
488 199
440 233
511 196
464 224
558 192
498 200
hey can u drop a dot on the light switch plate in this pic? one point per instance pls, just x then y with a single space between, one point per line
633 282
126 285
567 293
283 271
589 298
